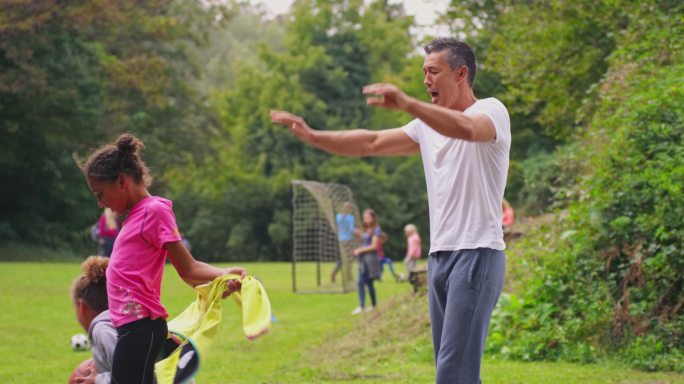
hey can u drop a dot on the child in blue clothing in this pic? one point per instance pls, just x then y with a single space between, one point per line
346 226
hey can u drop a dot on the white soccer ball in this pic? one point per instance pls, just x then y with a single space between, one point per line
79 342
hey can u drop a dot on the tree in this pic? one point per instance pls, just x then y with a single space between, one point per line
604 78
78 74
330 51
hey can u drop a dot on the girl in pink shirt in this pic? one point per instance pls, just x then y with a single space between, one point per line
119 179
413 247
108 228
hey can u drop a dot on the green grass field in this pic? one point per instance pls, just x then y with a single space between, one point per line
315 339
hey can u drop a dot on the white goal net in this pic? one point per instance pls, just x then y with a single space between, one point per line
324 217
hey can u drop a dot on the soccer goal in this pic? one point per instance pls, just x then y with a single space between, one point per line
324 217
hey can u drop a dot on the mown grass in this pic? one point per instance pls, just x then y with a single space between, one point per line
315 339
37 253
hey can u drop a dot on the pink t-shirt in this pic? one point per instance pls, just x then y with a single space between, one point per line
136 266
508 217
413 246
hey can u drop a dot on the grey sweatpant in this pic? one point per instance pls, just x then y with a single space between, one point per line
464 286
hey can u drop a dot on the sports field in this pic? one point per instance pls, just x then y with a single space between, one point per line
314 340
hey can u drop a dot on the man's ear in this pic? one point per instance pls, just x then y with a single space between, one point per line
462 73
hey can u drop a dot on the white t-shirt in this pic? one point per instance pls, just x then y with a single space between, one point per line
465 181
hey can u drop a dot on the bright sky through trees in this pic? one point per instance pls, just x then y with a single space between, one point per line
425 12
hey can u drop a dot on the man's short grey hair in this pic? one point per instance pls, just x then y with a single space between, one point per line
458 54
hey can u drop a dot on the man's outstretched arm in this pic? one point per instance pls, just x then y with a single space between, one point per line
355 143
448 122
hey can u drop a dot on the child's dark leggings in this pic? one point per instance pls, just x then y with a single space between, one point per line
137 348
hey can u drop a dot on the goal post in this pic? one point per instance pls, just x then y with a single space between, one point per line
320 247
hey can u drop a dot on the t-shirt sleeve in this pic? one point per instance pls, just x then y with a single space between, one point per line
498 113
411 129
160 226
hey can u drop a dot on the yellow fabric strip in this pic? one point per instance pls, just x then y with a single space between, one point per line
200 320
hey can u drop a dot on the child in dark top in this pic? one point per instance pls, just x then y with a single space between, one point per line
369 264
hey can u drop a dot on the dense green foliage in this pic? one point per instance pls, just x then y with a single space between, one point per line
75 75
196 84
605 79
237 202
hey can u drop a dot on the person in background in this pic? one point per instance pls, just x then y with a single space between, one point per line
383 257
108 229
346 224
369 263
508 215
413 247
186 242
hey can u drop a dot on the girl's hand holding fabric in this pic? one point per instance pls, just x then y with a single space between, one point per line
233 285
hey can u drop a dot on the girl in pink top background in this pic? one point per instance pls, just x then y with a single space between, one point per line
508 215
119 179
413 247
108 229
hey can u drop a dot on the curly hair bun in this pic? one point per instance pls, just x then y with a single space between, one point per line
94 268
128 143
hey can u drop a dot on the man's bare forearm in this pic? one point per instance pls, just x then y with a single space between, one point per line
353 143
448 122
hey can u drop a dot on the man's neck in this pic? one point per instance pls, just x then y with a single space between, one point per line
465 101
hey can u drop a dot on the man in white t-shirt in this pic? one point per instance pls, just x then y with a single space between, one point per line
465 145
